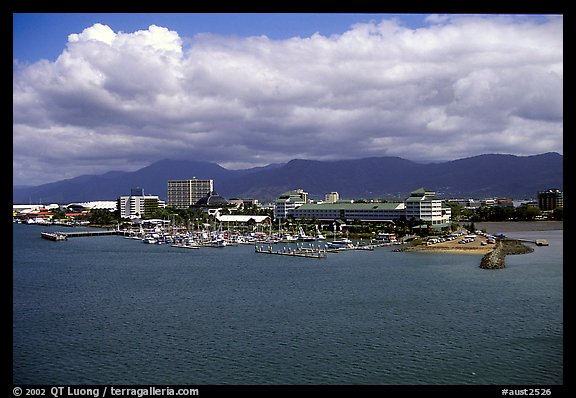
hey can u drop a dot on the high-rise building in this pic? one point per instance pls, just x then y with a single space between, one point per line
136 206
550 199
185 193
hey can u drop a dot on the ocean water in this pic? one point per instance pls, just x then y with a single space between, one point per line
109 310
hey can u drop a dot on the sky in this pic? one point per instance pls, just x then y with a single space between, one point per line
94 93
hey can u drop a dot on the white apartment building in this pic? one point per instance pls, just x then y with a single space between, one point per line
289 201
185 193
423 205
138 206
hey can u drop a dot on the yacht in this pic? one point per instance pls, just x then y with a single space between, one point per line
302 237
343 243
288 238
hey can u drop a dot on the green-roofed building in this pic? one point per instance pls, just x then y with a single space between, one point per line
422 204
350 211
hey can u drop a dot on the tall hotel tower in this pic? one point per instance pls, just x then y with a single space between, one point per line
184 193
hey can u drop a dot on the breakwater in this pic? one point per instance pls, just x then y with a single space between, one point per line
496 258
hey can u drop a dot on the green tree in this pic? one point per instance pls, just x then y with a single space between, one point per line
558 213
58 214
527 213
101 217
456 210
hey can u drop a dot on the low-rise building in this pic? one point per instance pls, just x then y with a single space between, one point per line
349 211
421 205
288 202
212 203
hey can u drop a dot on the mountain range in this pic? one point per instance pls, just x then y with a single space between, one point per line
481 176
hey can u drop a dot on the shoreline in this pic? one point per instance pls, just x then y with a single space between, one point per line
492 227
495 227
481 251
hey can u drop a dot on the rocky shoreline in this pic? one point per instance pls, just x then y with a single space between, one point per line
493 256
496 258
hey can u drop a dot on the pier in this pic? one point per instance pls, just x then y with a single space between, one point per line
54 236
537 242
65 235
294 252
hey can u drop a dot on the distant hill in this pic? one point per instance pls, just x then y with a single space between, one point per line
376 177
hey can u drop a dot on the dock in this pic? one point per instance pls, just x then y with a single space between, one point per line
65 235
294 252
57 236
537 242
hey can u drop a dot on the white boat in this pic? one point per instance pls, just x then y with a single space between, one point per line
150 240
302 237
218 243
287 238
343 243
186 246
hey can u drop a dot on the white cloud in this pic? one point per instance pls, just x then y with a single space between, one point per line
457 87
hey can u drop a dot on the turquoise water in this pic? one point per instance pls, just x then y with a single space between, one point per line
109 310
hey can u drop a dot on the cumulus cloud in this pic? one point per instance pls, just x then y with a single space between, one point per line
457 87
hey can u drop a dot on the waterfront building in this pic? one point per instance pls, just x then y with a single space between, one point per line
350 211
288 202
184 193
212 203
423 205
420 205
550 199
138 206
110 205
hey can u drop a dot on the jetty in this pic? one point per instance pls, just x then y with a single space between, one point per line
57 236
65 235
537 242
294 252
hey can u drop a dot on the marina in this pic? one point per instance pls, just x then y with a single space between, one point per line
263 243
